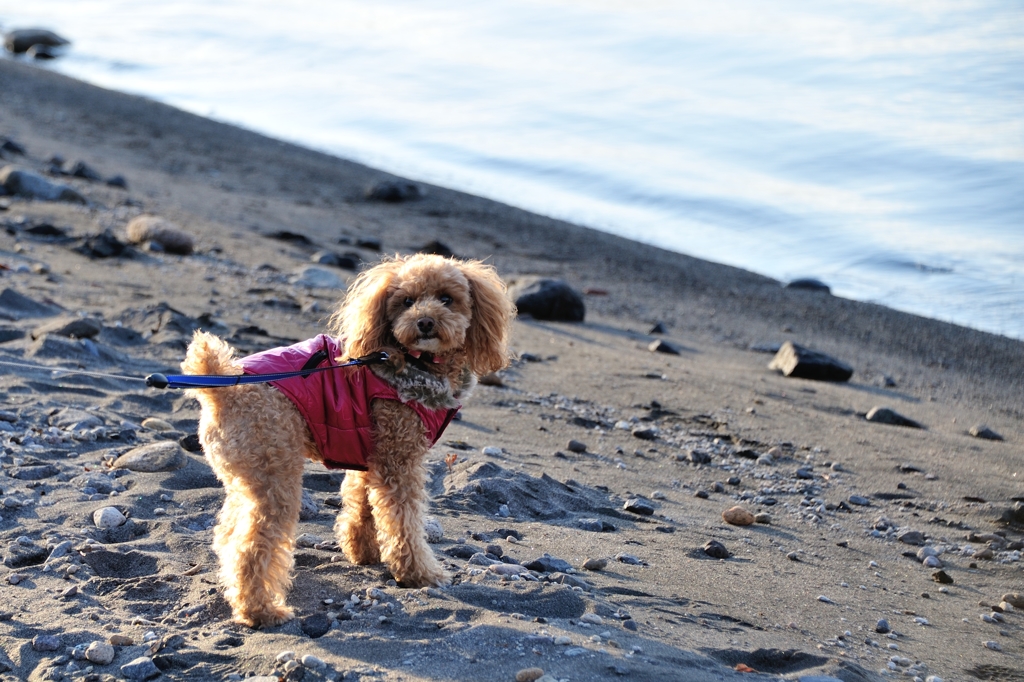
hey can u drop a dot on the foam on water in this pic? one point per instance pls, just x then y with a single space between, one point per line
878 146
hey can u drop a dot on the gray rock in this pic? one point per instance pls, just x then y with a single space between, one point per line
75 327
983 431
809 284
142 668
716 550
911 537
23 183
20 40
577 446
882 626
100 653
309 509
315 625
433 529
630 559
108 517
598 564
550 299
46 643
548 564
347 261
860 500
593 525
164 455
796 361
317 278
75 420
639 506
662 346
886 415
645 432
699 456
33 472
395 191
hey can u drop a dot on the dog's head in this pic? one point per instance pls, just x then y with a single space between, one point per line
428 304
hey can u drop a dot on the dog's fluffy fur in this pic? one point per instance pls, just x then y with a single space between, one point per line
455 315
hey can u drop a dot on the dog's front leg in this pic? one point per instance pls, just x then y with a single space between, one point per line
396 490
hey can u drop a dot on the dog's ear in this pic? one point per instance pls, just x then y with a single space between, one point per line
487 336
361 321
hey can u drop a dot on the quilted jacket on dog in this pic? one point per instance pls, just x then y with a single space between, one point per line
336 404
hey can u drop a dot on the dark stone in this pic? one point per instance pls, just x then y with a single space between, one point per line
982 431
190 443
315 625
9 145
629 624
942 577
395 191
288 236
662 346
658 328
551 299
804 473
347 261
885 415
76 328
912 537
42 52
80 169
103 245
796 361
809 284
699 456
34 472
20 40
1014 514
548 564
882 626
645 433
639 506
437 248
46 230
369 243
27 184
716 550
462 551
577 446
117 181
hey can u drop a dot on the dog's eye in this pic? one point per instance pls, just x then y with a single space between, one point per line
446 299
409 300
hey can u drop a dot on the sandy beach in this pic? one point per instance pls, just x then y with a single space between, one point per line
858 521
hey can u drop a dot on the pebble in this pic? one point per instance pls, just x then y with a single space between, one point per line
983 431
763 518
550 299
824 599
860 500
165 455
548 564
716 550
492 451
738 516
529 675
434 531
100 653
592 618
108 517
911 537
142 668
311 661
507 569
156 424
577 446
313 277
887 415
932 562
285 656
662 346
595 564
645 432
882 626
994 646
563 640
630 559
46 643
639 506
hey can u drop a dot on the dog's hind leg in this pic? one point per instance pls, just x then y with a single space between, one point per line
354 527
396 490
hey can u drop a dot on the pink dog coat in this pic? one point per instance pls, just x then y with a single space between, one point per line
336 404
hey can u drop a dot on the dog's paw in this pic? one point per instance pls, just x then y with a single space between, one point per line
268 617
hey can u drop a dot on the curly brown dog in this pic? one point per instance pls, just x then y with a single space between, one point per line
443 322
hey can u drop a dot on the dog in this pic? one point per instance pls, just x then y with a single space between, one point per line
443 323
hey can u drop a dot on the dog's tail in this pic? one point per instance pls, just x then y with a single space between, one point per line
208 354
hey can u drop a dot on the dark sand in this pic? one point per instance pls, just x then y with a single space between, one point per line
695 617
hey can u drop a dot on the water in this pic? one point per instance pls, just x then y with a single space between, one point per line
878 146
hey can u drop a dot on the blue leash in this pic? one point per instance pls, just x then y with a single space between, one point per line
218 380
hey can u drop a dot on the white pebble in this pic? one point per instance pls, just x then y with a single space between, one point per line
108 517
921 621
492 451
285 656
311 661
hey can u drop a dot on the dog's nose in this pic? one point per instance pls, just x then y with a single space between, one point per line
425 325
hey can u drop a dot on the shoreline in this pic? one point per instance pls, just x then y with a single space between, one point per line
727 431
